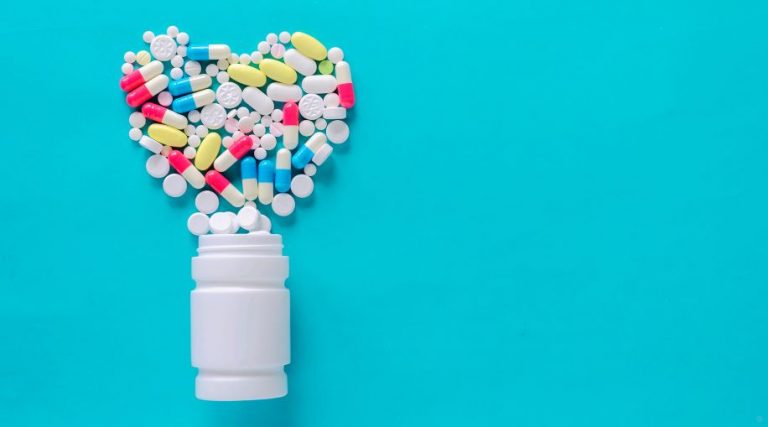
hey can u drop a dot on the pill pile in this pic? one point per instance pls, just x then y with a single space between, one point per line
200 109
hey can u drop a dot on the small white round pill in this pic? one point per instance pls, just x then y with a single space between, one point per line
193 116
310 169
177 61
302 186
222 77
126 68
189 130
263 48
243 112
245 59
259 130
271 38
211 70
276 129
256 57
265 224
255 116
192 68
331 100
222 64
245 124
233 58
137 120
181 51
220 223
229 95
320 124
201 131
163 48
230 125
207 202
283 204
148 36
190 152
260 153
143 57
129 57
248 218
193 141
175 185
197 224
284 37
311 106
306 128
266 120
134 134
277 115
177 73
255 142
165 151
172 31
337 132
182 38
213 116
335 55
165 98
277 51
268 141
227 141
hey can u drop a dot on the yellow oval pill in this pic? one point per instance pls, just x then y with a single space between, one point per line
167 135
278 71
246 75
207 151
309 46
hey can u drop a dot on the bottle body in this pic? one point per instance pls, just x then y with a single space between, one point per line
240 317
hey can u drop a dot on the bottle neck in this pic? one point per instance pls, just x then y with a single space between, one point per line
259 243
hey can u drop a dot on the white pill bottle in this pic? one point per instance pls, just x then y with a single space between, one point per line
240 317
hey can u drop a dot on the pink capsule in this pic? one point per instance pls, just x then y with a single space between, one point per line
161 114
345 88
183 166
146 91
235 152
138 77
222 186
290 125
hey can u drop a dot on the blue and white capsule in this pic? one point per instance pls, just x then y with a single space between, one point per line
283 171
304 154
193 101
250 182
208 52
190 84
266 181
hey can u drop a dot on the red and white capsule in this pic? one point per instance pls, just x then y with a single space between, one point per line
146 91
183 166
138 77
229 192
290 125
345 88
235 152
161 114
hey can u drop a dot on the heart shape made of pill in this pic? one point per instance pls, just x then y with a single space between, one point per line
206 113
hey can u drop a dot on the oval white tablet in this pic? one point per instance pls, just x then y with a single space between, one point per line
335 113
283 204
220 223
158 166
337 132
322 154
150 144
301 186
283 93
299 62
258 100
248 217
319 84
175 185
207 202
197 224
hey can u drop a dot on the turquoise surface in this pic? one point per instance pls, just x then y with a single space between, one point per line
548 214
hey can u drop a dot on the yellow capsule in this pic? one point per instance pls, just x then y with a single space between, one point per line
246 75
309 46
207 151
278 71
167 135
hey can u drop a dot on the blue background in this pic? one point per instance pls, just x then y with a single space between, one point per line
549 214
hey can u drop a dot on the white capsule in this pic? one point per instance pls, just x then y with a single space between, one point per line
294 59
258 100
322 154
283 93
319 84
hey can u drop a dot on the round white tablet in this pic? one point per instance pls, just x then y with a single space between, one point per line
181 51
192 68
213 116
177 73
320 124
158 166
311 106
245 124
331 100
193 141
148 36
283 204
276 129
234 223
310 169
126 68
284 37
259 129
207 202
263 47
134 134
193 116
137 120
260 153
229 95
201 131
306 128
182 38
248 217
190 152
175 185
222 77
268 141
337 132
163 48
164 98
335 55
220 223
265 224
172 31
302 186
271 38
197 224
177 61
211 70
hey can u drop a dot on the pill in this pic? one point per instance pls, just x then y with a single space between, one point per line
278 71
208 151
276 129
190 152
182 165
220 223
194 116
306 128
299 62
150 144
229 95
174 185
197 224
331 100
322 154
181 51
129 57
192 68
259 129
290 125
248 217
164 98
277 51
221 185
126 68
319 84
140 76
172 30
302 186
235 152
165 151
143 57
247 75
308 46
250 181
148 36
266 179
193 101
335 55
308 150
213 116
222 77
182 38
283 204
137 120
163 47
311 106
244 59
310 169
207 202
320 124
177 61
283 170
263 47
256 57
345 89
282 92
177 73
325 67
265 224
160 114
146 91
157 166
258 100
190 84
338 132
201 131
260 153
167 135
208 52
268 141
193 141
134 134
335 113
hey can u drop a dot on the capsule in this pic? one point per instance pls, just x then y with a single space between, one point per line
183 166
138 77
246 75
266 181
248 174
283 170
222 186
146 91
235 152
345 88
278 71
160 114
290 125
167 135
208 52
307 151
193 100
190 84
